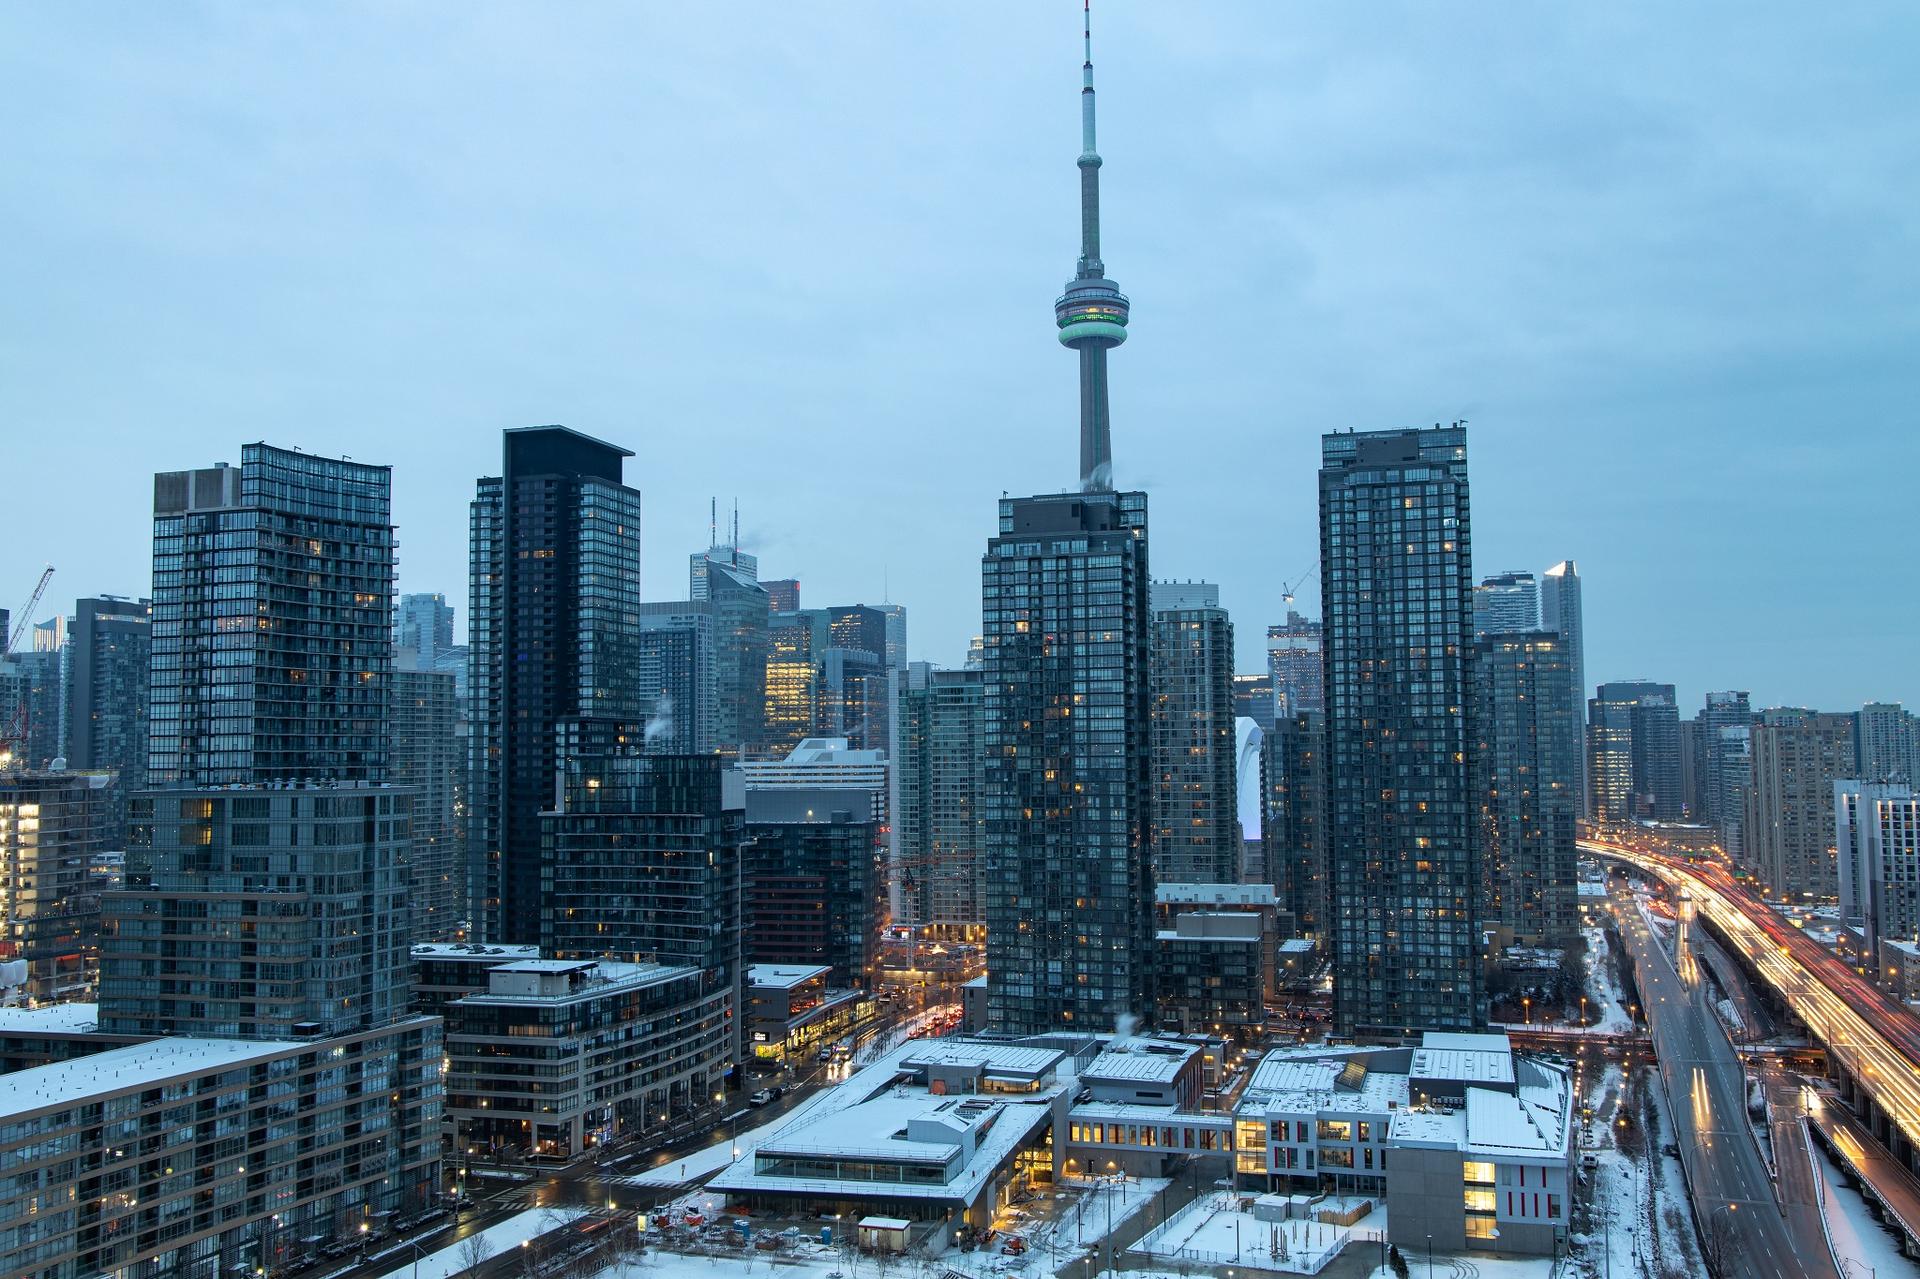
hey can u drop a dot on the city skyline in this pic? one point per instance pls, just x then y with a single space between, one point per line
410 299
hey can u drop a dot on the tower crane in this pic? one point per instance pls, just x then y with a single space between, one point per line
13 728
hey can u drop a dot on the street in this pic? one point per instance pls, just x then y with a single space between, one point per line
1742 1228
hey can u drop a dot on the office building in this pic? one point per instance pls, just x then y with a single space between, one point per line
1798 755
555 564
896 632
1397 582
853 702
1560 612
1526 758
1296 663
557 1056
50 830
1196 838
109 646
1877 835
813 888
783 594
429 759
739 607
1506 603
700 567
938 808
1633 745
794 653
1887 743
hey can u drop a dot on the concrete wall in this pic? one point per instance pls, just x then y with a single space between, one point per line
1426 1196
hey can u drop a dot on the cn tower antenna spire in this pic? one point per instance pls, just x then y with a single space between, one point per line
1092 313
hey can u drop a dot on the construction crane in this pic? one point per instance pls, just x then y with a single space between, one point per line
13 728
12 639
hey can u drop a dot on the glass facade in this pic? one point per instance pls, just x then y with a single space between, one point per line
1396 580
939 816
272 637
428 758
813 889
555 574
1069 768
1196 837
109 647
1526 770
1293 828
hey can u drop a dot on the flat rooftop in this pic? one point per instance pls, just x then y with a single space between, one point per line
783 977
50 1019
1141 1060
137 1066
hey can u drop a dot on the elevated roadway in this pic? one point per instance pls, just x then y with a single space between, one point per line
1874 1039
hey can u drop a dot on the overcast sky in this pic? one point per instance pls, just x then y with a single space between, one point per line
1662 258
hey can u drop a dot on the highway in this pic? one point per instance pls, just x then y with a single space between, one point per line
1875 1039
1741 1225
1897 1189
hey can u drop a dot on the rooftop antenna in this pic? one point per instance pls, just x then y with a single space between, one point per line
713 521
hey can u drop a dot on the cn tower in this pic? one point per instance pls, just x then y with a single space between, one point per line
1092 313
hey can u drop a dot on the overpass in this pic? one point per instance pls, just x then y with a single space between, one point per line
1874 1040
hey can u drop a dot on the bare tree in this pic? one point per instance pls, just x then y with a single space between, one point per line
473 1254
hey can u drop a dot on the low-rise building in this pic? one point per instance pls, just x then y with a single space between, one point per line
792 1014
561 1054
941 1133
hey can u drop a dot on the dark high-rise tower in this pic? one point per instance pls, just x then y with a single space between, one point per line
1396 577
555 620
1092 313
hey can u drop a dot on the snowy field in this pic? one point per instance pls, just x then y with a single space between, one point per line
1609 1018
504 1237
1211 1232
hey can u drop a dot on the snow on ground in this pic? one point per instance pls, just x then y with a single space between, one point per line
1863 1245
674 1265
504 1237
1086 1223
1730 1017
1609 1018
1210 1231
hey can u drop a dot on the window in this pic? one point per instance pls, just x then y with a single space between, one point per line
1477 1172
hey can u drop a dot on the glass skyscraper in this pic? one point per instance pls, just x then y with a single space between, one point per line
1526 758
1068 775
939 774
555 617
1197 837
1396 575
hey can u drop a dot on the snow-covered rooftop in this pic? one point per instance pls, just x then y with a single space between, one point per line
1215 894
1141 1060
783 976
472 950
50 1019
1483 1059
120 1069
